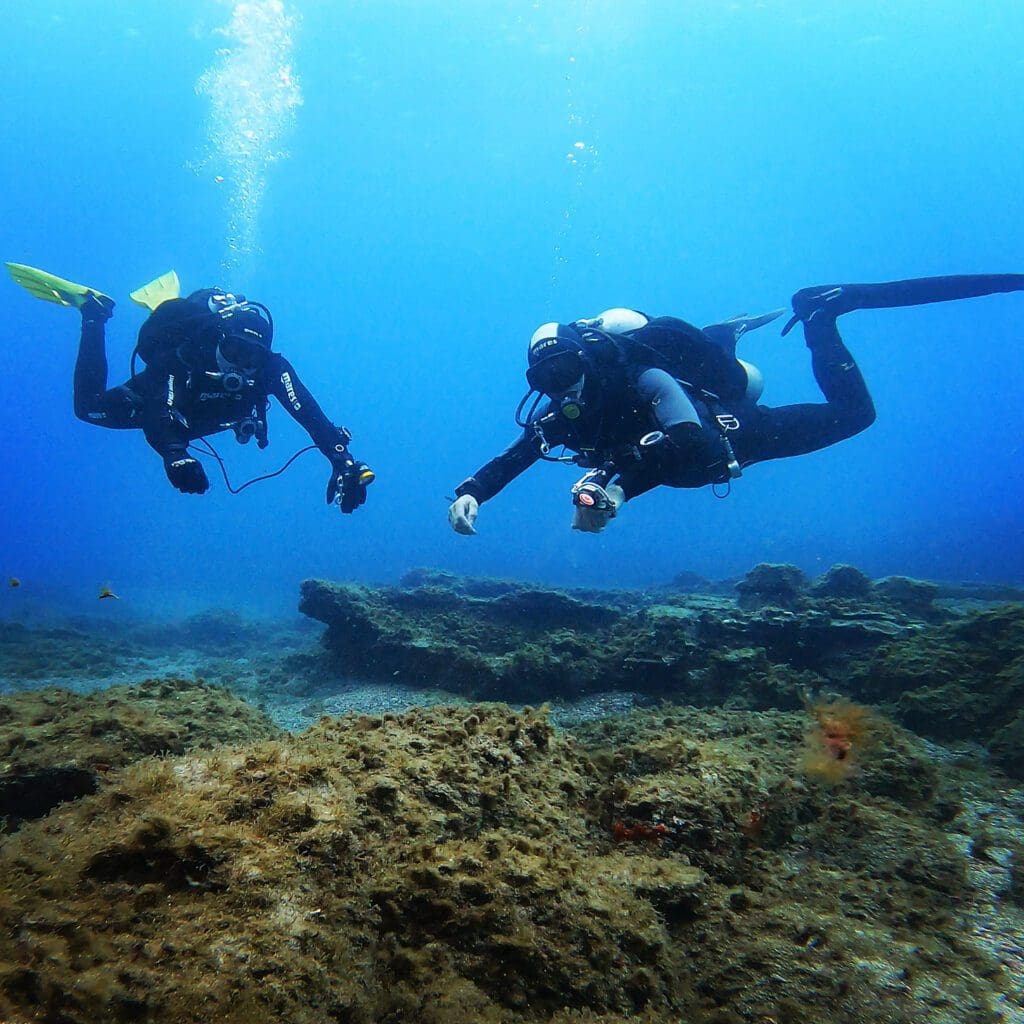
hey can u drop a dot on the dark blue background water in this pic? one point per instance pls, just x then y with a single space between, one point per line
427 219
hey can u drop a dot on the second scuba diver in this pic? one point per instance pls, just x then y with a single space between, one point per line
209 368
641 402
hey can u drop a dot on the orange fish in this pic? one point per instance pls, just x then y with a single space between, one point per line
106 592
14 582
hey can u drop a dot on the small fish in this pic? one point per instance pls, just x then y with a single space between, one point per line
106 592
14 583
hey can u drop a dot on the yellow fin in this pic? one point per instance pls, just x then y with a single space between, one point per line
51 288
149 296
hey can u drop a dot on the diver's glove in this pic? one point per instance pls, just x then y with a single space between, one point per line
349 480
96 308
184 472
595 506
462 513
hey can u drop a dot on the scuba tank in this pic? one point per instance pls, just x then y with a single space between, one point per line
186 329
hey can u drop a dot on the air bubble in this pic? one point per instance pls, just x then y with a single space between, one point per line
253 95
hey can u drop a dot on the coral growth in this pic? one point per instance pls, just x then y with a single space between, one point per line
835 745
638 833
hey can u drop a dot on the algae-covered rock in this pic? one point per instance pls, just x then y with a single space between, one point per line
948 676
31 653
844 582
820 639
780 586
474 864
963 680
431 867
1007 743
56 745
218 631
82 653
1015 890
526 644
794 863
917 597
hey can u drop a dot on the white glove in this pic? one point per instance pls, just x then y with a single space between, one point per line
594 518
462 514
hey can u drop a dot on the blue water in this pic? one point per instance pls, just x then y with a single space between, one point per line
433 207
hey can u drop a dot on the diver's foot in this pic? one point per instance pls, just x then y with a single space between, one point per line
95 307
822 301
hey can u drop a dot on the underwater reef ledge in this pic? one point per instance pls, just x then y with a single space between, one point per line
946 661
474 864
56 745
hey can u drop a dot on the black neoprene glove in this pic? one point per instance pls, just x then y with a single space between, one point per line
348 482
185 473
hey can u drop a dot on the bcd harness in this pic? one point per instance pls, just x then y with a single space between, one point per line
610 461
600 343
214 386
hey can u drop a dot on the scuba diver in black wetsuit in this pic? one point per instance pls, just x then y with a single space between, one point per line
643 402
209 368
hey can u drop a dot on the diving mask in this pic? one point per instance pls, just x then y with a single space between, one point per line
239 353
556 374
245 340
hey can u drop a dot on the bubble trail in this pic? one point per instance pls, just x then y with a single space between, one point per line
253 95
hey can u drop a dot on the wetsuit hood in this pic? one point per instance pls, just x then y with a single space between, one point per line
555 359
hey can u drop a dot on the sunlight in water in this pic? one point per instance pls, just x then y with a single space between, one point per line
253 96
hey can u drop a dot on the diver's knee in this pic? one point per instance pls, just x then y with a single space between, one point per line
87 412
860 417
685 440
690 445
868 416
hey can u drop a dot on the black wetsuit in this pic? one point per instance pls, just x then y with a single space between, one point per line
631 392
174 403
671 377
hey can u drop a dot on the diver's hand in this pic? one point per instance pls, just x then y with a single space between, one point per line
96 308
462 513
595 506
348 483
185 473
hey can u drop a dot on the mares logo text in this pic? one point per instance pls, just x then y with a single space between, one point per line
289 388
